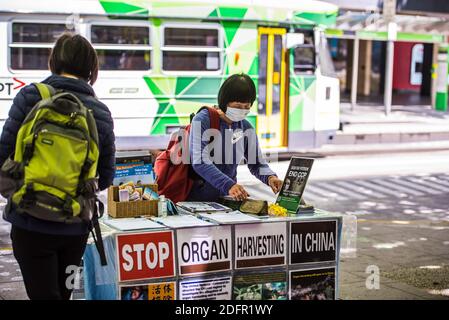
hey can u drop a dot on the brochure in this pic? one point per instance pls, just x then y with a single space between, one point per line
133 166
294 183
181 221
128 224
229 217
197 207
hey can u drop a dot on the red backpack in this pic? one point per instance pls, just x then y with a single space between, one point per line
173 178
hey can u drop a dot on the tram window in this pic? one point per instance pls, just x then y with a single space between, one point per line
304 59
123 59
31 44
191 61
191 37
120 35
110 40
191 49
36 32
29 58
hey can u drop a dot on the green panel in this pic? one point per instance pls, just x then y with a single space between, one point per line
182 83
295 118
401 36
230 28
232 12
319 18
441 101
153 87
334 32
163 104
161 122
213 14
111 7
414 37
199 101
204 86
372 35
254 69
253 121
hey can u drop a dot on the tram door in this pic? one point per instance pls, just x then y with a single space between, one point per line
272 124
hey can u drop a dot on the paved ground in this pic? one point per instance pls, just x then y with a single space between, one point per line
402 228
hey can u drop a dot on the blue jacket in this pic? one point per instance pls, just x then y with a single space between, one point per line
22 104
236 144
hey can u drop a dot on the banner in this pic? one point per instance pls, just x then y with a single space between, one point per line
313 241
205 289
269 285
260 245
203 250
312 284
150 291
148 255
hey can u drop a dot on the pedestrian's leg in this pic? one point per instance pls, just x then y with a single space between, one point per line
37 259
69 258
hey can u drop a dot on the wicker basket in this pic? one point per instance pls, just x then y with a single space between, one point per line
131 209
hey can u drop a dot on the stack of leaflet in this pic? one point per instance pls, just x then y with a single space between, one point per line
201 207
229 217
135 166
131 224
305 209
181 221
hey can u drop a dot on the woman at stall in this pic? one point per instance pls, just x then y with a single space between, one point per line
215 161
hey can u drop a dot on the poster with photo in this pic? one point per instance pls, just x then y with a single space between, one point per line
269 285
214 288
312 284
294 183
150 291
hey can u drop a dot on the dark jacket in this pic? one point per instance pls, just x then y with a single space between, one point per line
22 104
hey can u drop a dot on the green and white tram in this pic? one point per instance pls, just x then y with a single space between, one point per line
162 60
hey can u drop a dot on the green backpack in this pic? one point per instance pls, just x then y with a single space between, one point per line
53 173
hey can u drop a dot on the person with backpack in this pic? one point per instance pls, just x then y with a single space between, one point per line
215 161
57 149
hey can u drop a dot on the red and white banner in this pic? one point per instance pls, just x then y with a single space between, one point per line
147 255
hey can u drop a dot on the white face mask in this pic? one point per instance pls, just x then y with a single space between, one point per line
235 114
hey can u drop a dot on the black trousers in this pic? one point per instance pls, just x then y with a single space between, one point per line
44 260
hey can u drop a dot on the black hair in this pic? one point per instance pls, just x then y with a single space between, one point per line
73 54
238 88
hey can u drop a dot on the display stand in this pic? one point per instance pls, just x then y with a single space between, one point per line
273 258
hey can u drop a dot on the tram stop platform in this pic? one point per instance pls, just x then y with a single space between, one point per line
368 124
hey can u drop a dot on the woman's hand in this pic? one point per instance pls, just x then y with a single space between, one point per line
275 183
238 192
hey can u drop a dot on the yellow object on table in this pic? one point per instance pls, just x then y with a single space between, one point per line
277 210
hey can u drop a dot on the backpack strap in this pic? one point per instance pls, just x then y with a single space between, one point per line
46 91
96 231
214 118
213 115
